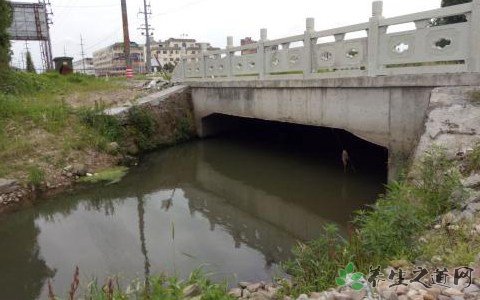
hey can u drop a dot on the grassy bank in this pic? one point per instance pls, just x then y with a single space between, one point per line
39 128
50 122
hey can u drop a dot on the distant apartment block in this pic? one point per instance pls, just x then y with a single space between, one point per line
169 51
84 66
111 60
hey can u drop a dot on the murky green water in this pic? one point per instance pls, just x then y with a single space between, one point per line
232 205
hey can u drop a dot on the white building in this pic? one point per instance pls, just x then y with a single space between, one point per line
169 51
84 66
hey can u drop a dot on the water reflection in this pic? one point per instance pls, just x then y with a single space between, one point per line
234 206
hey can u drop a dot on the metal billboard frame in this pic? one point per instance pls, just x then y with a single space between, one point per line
31 23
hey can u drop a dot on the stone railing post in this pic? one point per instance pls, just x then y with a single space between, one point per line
474 61
374 38
229 57
308 47
203 60
183 53
262 65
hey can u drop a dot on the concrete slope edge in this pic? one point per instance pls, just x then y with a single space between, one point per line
153 99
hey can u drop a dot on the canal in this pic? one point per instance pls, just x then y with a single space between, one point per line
233 205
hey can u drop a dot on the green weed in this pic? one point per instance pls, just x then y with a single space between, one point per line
143 123
107 126
472 162
454 246
110 175
156 287
475 97
316 262
184 130
35 176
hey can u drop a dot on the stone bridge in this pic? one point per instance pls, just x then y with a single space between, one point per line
372 79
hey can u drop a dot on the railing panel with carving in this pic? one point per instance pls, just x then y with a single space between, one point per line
432 44
245 64
432 47
341 56
194 69
217 66
285 60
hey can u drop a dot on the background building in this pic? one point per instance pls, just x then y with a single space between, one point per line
169 51
247 41
111 60
87 63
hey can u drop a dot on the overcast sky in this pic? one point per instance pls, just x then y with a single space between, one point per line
99 21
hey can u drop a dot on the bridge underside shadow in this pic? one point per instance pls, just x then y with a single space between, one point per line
324 142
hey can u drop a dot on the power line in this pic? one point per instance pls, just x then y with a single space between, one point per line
84 6
180 8
66 14
112 33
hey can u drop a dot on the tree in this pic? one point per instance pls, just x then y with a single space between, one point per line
452 19
5 21
30 66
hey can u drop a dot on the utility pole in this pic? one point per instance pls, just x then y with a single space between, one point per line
126 40
83 54
147 11
23 61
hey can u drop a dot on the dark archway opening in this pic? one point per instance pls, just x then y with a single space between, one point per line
305 141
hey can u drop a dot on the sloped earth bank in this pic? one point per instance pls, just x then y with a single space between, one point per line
170 120
452 123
